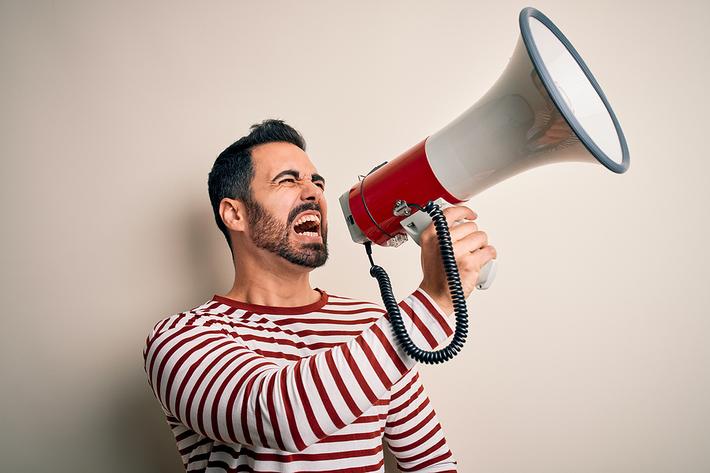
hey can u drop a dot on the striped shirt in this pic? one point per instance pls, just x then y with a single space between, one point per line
299 389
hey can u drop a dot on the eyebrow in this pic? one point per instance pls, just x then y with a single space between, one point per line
290 172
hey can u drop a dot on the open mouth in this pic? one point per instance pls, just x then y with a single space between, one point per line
308 225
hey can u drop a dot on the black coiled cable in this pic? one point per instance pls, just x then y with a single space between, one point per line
457 295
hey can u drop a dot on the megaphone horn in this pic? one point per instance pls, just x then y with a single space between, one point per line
545 108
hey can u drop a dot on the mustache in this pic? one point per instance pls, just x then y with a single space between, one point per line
302 208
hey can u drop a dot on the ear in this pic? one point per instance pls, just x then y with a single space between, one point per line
233 214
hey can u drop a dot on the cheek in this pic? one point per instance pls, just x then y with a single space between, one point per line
282 207
323 208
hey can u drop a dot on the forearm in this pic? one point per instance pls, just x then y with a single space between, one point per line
413 432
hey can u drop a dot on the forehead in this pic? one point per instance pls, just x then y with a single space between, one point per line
272 158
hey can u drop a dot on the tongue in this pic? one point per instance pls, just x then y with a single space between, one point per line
305 227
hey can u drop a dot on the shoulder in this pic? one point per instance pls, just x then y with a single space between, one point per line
345 306
342 301
209 315
206 325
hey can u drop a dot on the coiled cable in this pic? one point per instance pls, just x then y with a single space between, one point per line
455 289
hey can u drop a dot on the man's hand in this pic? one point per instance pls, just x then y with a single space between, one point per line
471 250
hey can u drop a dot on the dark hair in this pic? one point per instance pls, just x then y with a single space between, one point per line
233 170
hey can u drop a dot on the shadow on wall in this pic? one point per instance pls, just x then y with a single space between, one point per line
206 253
198 265
143 435
390 461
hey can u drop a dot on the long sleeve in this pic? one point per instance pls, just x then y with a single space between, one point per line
413 433
214 381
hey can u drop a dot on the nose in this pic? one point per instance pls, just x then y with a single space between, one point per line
311 191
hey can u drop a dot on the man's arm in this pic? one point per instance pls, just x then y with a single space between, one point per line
209 380
413 432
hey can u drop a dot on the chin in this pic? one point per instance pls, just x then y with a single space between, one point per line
310 255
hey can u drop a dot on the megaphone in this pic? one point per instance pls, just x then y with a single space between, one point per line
545 108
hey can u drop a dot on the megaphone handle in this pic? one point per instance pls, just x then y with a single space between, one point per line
487 275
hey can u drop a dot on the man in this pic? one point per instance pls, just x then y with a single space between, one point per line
277 376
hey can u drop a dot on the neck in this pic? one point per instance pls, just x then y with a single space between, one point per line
263 278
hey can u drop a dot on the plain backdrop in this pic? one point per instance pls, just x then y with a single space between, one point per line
590 351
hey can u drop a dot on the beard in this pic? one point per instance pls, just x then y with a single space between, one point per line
270 234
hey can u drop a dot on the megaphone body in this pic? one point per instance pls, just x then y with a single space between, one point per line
545 108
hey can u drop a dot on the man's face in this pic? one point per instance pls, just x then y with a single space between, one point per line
288 213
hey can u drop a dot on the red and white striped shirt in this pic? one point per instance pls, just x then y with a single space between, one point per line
300 389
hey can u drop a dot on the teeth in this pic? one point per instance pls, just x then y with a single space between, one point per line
307 221
307 218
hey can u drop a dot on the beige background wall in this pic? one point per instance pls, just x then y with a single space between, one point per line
590 353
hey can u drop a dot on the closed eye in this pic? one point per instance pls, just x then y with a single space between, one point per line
319 181
292 177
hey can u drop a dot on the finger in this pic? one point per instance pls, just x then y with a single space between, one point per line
486 252
452 215
462 230
484 255
476 260
459 212
471 243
